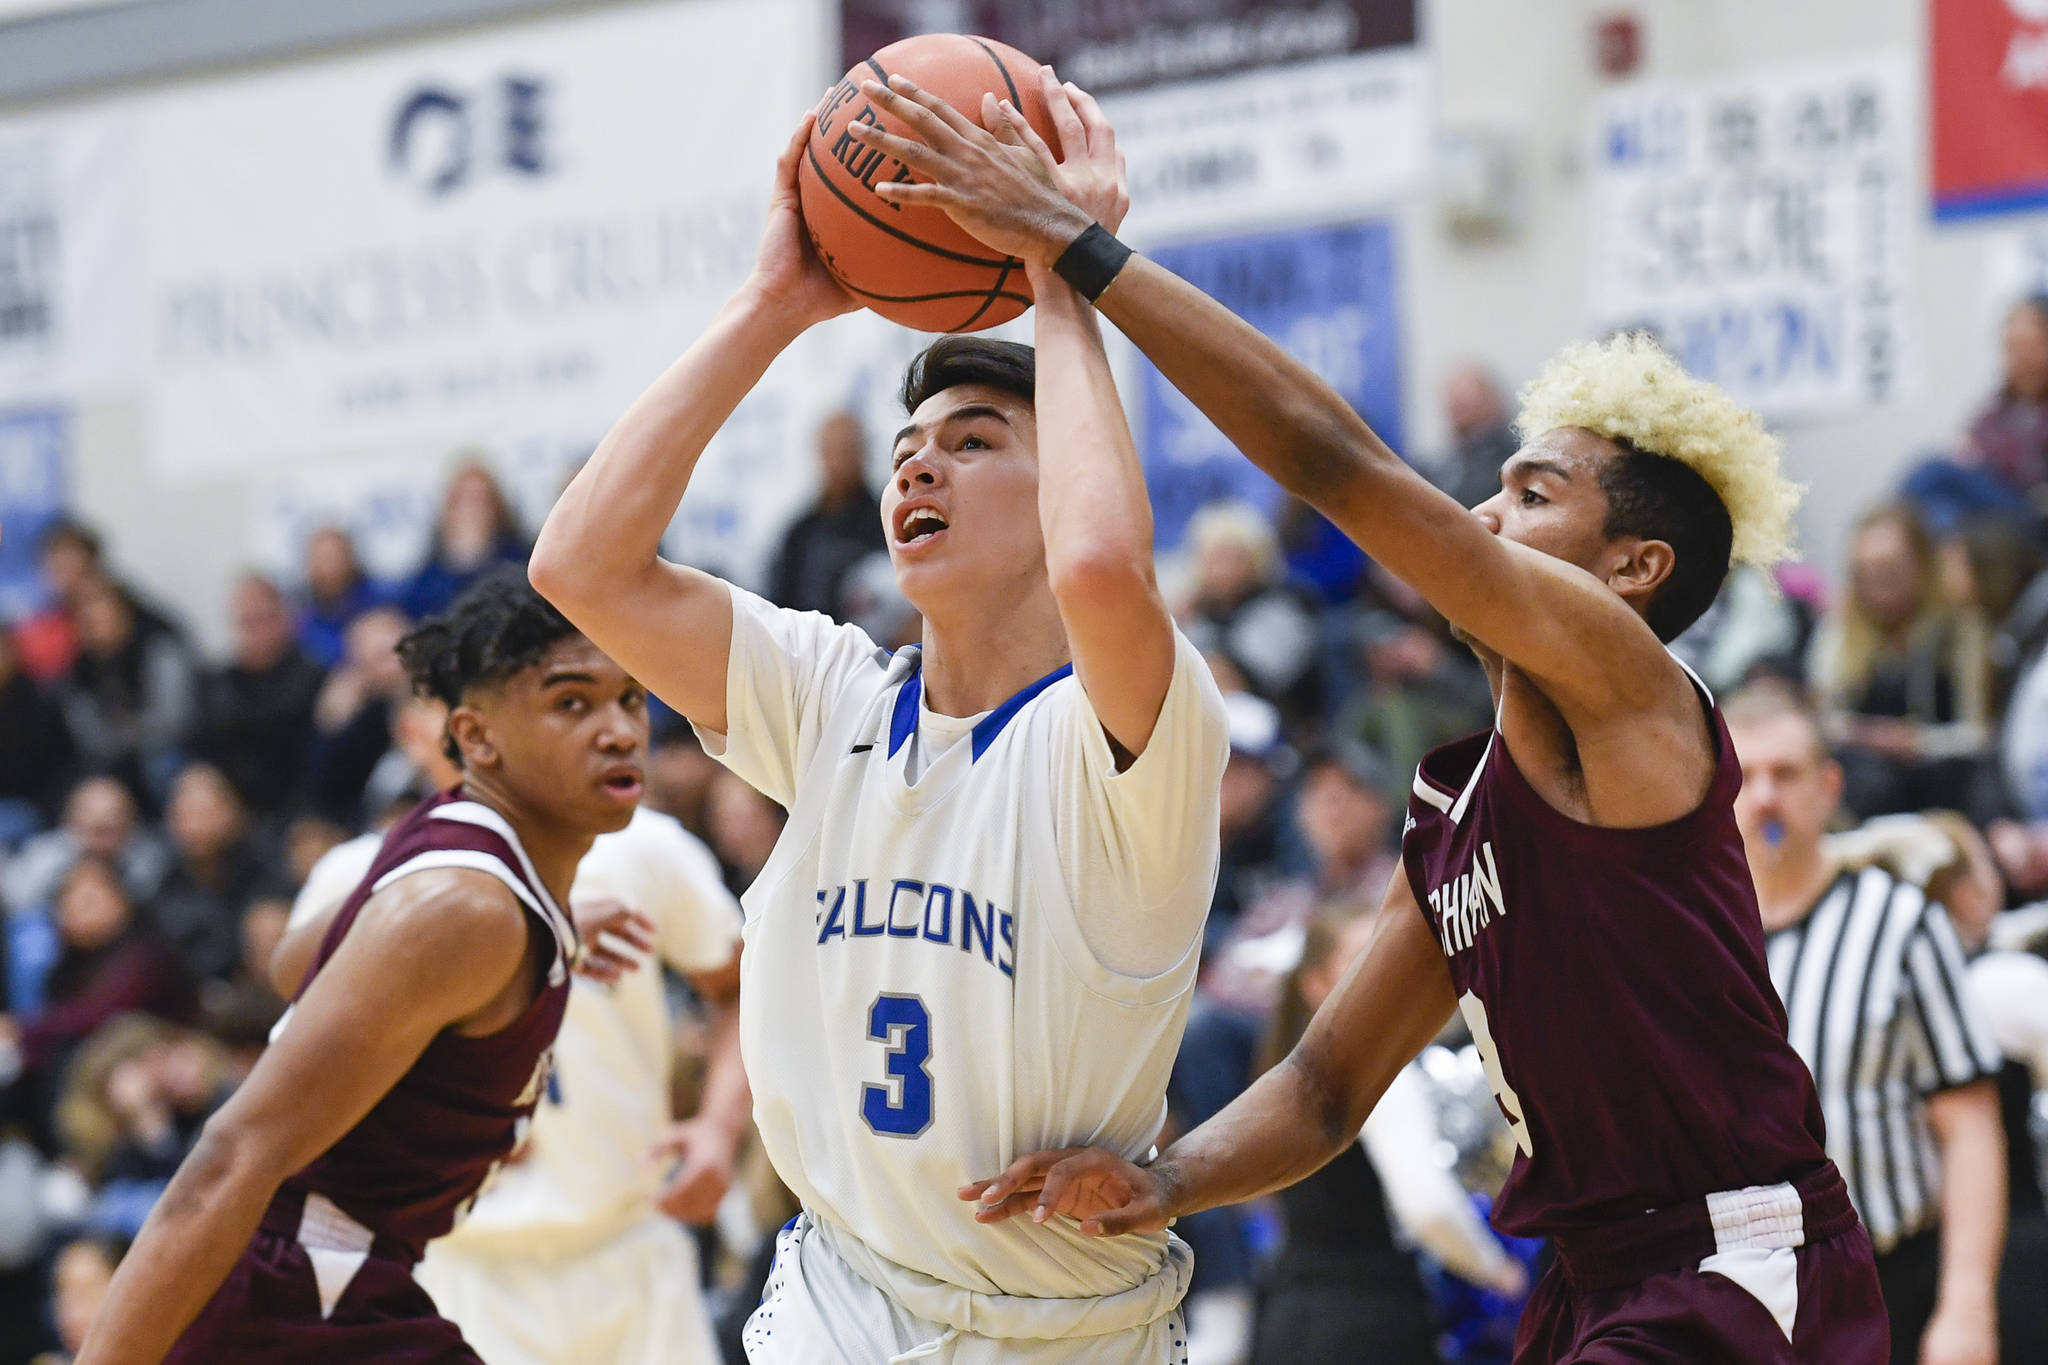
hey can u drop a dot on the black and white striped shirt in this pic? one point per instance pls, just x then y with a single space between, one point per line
1873 984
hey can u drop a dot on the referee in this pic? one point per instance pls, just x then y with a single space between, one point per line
1873 982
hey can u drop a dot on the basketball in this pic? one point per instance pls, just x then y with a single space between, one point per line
912 263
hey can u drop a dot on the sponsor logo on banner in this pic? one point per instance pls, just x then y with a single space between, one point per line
1759 227
1989 105
1229 112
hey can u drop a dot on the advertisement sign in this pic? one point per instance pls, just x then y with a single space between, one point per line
1229 112
33 456
1989 103
1328 295
1759 227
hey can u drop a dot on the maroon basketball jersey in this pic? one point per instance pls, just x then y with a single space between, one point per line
411 1165
1615 983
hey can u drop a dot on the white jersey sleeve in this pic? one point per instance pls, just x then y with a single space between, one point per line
786 670
696 919
337 872
1149 831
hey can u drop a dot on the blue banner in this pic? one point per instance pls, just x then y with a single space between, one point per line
1325 294
34 455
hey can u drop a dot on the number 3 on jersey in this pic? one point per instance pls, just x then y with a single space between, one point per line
902 1106
1474 1010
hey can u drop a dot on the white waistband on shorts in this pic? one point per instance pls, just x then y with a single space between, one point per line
324 1227
1759 1217
1016 1316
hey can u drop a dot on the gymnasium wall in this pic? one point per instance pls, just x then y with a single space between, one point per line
197 471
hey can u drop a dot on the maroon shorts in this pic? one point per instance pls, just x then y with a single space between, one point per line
1660 1290
267 1312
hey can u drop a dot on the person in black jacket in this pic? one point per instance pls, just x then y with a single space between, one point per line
256 712
840 529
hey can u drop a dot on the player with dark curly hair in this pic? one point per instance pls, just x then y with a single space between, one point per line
418 1043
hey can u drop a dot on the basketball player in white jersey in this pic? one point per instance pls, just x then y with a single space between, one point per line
570 1254
979 931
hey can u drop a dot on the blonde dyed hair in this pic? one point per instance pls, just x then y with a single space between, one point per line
1629 389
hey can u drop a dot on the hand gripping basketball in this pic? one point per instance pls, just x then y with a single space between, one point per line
1108 1194
1008 188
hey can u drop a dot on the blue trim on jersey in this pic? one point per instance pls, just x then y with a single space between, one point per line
903 718
992 724
903 721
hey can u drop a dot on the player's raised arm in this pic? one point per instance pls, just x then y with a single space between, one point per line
1092 503
441 948
598 556
1289 1123
1573 630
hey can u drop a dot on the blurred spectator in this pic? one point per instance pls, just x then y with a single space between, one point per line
110 962
1256 852
79 1278
218 870
35 749
1318 556
2009 439
69 558
679 777
1482 436
1753 628
742 827
352 717
256 712
475 533
1421 688
1904 679
134 1102
99 822
240 1008
337 591
843 527
1239 606
128 697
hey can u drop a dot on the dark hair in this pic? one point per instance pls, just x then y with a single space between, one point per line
1658 498
955 360
498 626
69 528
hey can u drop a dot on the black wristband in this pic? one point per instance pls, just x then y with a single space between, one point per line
1091 261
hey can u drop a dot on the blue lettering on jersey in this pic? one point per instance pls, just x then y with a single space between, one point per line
924 911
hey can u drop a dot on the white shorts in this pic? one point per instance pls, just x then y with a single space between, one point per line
816 1308
633 1300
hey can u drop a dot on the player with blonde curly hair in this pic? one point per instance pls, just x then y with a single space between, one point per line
1573 880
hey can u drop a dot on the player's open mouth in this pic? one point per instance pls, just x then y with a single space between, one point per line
626 786
919 526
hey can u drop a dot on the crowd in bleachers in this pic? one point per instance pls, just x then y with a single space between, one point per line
159 808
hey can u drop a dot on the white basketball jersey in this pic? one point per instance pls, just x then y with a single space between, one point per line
584 1173
921 1004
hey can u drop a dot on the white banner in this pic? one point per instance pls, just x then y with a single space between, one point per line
494 241
1760 227
71 319
1314 141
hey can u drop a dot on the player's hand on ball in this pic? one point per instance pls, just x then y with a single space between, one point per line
693 1193
787 271
1105 1193
1008 188
616 939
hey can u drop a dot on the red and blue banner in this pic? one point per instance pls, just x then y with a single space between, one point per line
1989 106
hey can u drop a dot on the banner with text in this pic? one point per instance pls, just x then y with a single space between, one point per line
1231 112
1330 297
494 240
1759 227
1989 103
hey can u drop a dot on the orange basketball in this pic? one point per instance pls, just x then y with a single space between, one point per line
911 263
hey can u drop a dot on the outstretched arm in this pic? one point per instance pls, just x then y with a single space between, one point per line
1555 622
598 556
435 950
1292 1120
